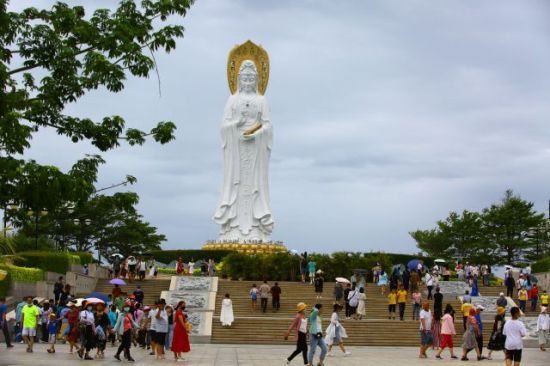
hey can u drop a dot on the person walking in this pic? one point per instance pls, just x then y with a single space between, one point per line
52 332
264 295
180 342
142 267
299 328
179 267
87 326
72 318
383 282
543 328
534 295
447 332
416 303
402 301
311 265
139 294
514 330
465 309
123 327
347 290
510 283
338 292
415 279
406 277
159 323
44 316
303 267
429 280
335 331
170 333
353 299
361 305
522 297
479 335
502 301
275 296
438 302
4 322
496 342
469 337
318 284
316 335
392 303
226 315
426 338
29 319
544 298
102 324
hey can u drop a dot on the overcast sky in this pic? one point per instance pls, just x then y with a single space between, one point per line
387 115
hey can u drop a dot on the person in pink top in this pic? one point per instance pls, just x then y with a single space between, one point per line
447 332
299 327
416 301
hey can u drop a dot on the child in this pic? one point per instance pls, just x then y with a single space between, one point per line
52 331
416 301
392 302
254 296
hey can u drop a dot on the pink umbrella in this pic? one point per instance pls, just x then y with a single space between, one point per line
94 300
117 281
342 280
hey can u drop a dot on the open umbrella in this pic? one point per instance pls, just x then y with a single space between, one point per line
94 300
117 281
99 295
413 264
440 260
342 280
78 302
117 255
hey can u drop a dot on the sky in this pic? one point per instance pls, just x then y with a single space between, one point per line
387 115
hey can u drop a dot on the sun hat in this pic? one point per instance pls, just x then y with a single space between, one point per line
301 306
146 308
480 307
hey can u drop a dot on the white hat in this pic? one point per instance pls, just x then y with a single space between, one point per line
479 307
501 294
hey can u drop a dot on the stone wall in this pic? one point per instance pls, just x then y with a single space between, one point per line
81 284
544 281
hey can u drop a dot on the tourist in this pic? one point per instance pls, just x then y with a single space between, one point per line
522 297
226 315
520 283
446 273
426 337
211 267
469 337
447 332
479 335
335 331
254 296
361 305
275 297
416 303
383 282
299 327
58 289
353 300
514 330
496 342
544 298
353 279
311 265
475 288
44 316
438 303
142 268
415 279
502 301
318 284
401 301
347 290
436 328
510 284
169 335
392 303
406 278
264 295
543 328
429 280
72 319
179 267
113 316
4 321
86 322
376 272
465 308
316 335
534 295
159 323
144 332
180 340
29 319
139 295
102 325
338 292
123 327
303 267
191 266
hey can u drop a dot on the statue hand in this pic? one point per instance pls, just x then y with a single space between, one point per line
247 137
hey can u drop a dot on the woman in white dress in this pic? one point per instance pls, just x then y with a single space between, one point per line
191 266
335 332
226 316
361 305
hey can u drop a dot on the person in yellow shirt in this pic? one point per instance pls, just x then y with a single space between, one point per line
392 302
465 309
30 314
402 301
544 299
523 297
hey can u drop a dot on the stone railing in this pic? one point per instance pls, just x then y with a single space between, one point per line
543 281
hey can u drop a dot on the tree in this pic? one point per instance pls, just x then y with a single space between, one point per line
509 224
431 242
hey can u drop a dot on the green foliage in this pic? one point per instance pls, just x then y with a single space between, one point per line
6 282
542 265
24 243
84 257
169 271
22 274
7 246
58 262
168 256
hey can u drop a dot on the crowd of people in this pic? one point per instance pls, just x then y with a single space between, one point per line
207 267
132 267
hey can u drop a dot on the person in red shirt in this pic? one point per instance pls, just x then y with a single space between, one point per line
276 296
534 295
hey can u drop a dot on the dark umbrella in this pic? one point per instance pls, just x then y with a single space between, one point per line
99 295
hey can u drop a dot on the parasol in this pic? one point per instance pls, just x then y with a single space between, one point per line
342 280
413 264
117 281
440 260
99 295
94 300
117 255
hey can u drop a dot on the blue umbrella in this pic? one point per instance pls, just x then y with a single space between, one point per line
99 295
413 264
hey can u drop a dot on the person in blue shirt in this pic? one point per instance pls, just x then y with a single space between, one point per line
4 321
316 338
479 336
18 316
312 266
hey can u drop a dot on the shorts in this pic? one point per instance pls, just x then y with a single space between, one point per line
391 308
426 338
152 335
160 338
513 354
337 337
446 341
31 332
52 338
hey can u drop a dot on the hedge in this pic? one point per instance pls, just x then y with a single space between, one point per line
542 265
85 257
168 256
19 274
59 262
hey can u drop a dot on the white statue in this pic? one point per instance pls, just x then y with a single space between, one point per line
244 211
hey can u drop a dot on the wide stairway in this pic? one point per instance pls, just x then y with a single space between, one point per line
151 288
255 327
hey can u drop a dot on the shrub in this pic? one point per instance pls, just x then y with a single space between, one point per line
22 274
168 256
84 257
59 262
542 265
170 271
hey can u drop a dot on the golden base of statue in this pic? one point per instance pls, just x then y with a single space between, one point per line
247 248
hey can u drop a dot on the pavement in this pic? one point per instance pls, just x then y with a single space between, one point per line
232 355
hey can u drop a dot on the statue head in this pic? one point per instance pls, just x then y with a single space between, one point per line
248 77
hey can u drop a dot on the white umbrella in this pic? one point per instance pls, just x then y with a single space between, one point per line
439 260
117 255
342 280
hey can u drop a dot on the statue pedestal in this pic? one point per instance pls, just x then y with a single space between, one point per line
248 248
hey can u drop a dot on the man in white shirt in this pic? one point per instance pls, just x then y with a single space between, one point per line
514 330
426 338
159 323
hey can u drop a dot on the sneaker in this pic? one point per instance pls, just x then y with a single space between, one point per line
330 354
117 357
130 359
347 353
287 362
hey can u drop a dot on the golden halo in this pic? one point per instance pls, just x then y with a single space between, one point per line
248 51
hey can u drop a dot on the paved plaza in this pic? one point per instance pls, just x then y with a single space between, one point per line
232 355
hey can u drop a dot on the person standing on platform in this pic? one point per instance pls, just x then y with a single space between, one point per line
429 279
544 299
264 295
383 282
534 295
522 297
299 327
510 283
402 301
58 289
226 316
514 330
338 292
276 297
179 267
416 303
180 342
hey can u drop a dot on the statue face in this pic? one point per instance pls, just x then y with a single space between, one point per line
248 82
